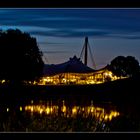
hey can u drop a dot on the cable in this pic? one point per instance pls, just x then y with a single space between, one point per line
92 58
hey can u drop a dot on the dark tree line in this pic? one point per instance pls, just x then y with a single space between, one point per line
20 57
125 66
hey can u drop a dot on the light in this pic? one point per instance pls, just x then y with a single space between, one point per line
26 108
106 117
92 109
7 109
32 101
45 79
64 109
64 80
51 109
47 110
89 81
75 78
97 112
32 109
34 83
3 81
110 117
74 110
108 74
20 108
63 103
115 114
41 110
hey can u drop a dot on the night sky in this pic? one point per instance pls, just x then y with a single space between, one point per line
60 33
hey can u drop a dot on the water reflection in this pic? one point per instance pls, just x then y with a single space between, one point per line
58 115
64 110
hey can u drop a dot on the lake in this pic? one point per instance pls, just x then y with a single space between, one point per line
58 115
67 109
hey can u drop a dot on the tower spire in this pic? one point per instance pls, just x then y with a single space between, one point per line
85 50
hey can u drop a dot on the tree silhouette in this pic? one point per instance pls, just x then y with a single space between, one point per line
20 57
125 66
133 68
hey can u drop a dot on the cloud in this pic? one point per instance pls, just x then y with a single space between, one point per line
125 35
65 32
102 23
51 43
88 32
79 32
47 52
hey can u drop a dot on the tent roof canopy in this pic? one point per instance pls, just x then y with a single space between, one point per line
73 65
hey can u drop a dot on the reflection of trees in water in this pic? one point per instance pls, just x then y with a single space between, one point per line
24 121
18 119
40 117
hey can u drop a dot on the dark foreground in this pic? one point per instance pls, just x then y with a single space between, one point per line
121 96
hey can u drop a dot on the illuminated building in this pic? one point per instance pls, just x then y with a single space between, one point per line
75 72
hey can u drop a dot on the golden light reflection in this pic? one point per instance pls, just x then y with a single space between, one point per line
32 101
74 110
63 109
47 110
97 112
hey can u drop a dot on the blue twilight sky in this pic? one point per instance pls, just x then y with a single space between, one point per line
60 33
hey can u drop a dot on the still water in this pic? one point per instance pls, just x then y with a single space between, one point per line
64 110
58 116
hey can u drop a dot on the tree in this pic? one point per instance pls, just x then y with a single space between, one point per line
125 66
133 68
20 57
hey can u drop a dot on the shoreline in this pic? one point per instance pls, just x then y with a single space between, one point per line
121 91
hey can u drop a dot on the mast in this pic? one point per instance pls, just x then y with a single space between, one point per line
84 53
